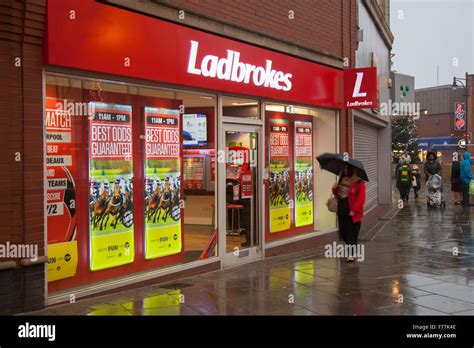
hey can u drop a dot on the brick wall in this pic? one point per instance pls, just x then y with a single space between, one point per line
318 24
441 125
21 113
439 102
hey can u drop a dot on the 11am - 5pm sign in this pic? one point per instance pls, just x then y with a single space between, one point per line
360 88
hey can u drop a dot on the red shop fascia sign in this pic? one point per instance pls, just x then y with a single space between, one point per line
88 35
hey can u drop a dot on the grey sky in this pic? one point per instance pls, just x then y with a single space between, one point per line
430 33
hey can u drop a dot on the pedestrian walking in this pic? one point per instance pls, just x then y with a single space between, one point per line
456 185
404 180
404 157
465 177
432 166
350 194
416 179
407 156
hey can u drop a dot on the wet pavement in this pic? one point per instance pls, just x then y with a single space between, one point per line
416 262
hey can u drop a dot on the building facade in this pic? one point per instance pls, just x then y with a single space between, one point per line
402 103
149 140
437 127
372 140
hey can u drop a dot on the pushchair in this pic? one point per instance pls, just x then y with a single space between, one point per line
435 192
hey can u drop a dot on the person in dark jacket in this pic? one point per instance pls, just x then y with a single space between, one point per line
456 185
432 166
404 179
465 177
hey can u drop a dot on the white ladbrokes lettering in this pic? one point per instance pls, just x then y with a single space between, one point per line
232 69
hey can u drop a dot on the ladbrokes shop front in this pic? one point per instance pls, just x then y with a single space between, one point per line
171 151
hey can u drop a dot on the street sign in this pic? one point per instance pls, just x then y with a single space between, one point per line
360 88
459 116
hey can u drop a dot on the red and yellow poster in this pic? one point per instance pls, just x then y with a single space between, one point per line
163 234
111 187
194 173
303 173
279 188
60 190
246 182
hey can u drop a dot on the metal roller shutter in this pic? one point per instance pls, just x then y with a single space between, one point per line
366 151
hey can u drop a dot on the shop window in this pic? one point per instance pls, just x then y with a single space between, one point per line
130 178
297 189
60 81
238 107
158 93
99 86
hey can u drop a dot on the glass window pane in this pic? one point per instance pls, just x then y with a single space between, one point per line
128 164
310 132
237 107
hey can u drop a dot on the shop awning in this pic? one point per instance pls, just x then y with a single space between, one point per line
441 143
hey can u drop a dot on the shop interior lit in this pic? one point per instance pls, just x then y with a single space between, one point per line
196 180
189 180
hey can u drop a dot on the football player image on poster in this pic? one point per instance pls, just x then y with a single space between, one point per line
303 173
111 186
163 232
60 191
279 186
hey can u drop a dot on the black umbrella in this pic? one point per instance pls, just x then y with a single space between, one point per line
334 162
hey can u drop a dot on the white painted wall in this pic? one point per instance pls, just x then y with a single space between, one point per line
325 140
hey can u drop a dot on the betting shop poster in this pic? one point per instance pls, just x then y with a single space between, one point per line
303 173
60 190
162 183
279 189
111 187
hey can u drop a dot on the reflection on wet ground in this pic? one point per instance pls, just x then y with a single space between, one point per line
420 263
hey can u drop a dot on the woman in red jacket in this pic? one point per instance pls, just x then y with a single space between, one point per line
350 193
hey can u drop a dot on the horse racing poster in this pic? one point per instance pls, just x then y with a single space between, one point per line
111 187
279 189
61 168
162 183
303 173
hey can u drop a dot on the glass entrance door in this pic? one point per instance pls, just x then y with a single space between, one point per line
240 202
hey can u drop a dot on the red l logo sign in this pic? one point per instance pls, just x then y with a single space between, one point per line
360 88
357 93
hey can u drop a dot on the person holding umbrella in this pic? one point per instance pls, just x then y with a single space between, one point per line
350 194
